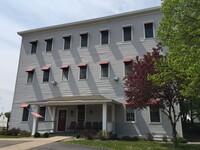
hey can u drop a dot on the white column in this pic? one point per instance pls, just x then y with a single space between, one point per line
104 117
113 118
53 118
35 121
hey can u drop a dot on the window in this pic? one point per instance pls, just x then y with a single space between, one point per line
25 113
33 47
42 113
49 43
67 42
148 27
104 68
130 114
154 114
46 73
104 37
127 33
65 74
30 76
84 40
127 67
83 71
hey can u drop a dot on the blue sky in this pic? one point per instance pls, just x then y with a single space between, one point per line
20 15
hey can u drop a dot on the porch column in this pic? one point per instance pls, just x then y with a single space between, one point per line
53 118
113 118
35 121
104 117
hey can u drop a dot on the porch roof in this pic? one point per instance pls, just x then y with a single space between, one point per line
74 100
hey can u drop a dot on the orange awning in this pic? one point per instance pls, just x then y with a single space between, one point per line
45 68
30 69
64 66
127 59
82 64
24 105
103 62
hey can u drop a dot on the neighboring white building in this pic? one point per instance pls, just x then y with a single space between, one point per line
3 121
74 73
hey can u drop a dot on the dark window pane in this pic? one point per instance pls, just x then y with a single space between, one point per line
130 115
83 72
127 33
84 40
104 70
30 77
25 114
42 113
49 44
81 113
46 75
154 114
67 42
127 67
33 47
104 37
148 30
65 74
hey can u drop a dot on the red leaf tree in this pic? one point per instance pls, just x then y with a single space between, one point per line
162 90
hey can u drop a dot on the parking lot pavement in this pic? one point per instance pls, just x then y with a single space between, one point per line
65 146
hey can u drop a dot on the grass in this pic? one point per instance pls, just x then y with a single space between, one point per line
135 145
10 136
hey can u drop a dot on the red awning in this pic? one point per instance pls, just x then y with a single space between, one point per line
24 105
103 62
30 69
82 64
127 59
64 66
36 115
45 68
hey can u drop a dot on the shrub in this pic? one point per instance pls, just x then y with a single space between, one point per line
2 132
181 140
24 133
46 135
78 135
135 138
165 138
103 135
87 134
126 138
36 135
142 139
149 136
12 132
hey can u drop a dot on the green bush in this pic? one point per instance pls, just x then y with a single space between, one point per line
78 135
46 135
149 136
24 133
12 132
36 135
103 135
181 140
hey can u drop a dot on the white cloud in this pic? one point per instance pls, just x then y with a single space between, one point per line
22 15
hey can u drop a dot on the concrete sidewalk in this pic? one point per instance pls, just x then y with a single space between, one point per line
32 142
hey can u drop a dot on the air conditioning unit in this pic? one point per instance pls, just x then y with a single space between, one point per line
54 82
116 78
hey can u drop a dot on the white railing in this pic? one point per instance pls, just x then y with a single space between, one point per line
46 126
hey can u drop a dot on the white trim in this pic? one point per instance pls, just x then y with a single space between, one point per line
145 22
67 75
87 67
33 77
86 32
49 76
51 45
124 26
108 71
58 119
105 29
28 115
159 116
68 35
126 118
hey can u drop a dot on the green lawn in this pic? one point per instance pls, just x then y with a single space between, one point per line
134 145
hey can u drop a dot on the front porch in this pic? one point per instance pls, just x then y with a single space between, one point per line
74 114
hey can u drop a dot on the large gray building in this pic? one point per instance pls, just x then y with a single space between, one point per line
72 75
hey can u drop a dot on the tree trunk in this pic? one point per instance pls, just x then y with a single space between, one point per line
174 134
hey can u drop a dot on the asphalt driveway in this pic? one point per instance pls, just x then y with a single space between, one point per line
4 143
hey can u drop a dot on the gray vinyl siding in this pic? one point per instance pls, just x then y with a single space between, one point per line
114 52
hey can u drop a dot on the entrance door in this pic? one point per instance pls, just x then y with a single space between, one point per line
62 120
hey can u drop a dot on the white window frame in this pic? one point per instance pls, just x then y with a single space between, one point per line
124 26
106 29
146 22
33 77
28 115
49 76
45 113
159 115
62 74
125 116
68 35
124 64
31 46
87 32
46 44
108 71
87 67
